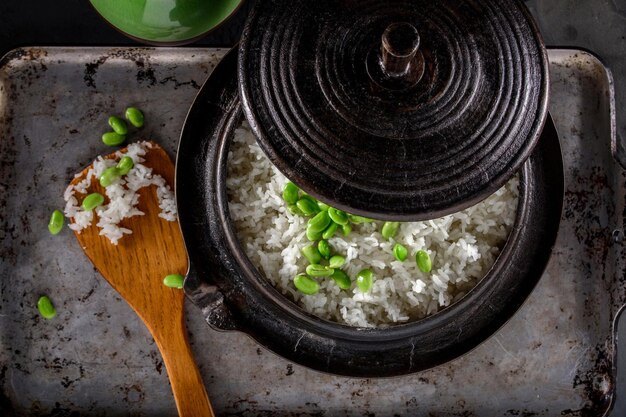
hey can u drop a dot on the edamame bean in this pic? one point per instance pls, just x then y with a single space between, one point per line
109 176
341 279
125 164
346 229
323 206
118 125
389 229
308 205
293 209
364 280
306 285
324 249
134 116
174 281
338 216
336 261
423 261
317 270
113 139
92 201
359 219
319 222
56 222
46 308
290 193
313 235
312 254
330 230
400 252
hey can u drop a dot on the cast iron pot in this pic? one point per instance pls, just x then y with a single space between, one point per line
233 294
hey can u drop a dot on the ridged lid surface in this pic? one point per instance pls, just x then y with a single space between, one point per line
400 110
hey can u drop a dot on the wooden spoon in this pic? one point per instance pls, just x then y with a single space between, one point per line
135 268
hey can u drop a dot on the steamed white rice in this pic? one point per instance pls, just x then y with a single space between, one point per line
122 196
462 246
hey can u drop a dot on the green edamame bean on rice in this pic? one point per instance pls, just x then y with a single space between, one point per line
125 165
312 254
110 176
400 252
290 193
92 201
324 249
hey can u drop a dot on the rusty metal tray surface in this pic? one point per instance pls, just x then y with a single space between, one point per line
556 357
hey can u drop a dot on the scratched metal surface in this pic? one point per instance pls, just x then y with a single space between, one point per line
554 358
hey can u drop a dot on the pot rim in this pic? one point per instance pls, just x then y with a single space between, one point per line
394 331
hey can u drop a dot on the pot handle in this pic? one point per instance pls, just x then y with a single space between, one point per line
209 299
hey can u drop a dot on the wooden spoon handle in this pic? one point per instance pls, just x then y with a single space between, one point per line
189 393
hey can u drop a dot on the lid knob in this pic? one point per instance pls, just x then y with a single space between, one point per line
401 63
399 45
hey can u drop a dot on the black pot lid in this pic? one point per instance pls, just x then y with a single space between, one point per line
402 110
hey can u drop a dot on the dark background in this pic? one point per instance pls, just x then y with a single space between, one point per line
595 25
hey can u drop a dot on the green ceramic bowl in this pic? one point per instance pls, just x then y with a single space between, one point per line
165 22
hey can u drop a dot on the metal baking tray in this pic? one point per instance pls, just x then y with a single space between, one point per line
555 357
